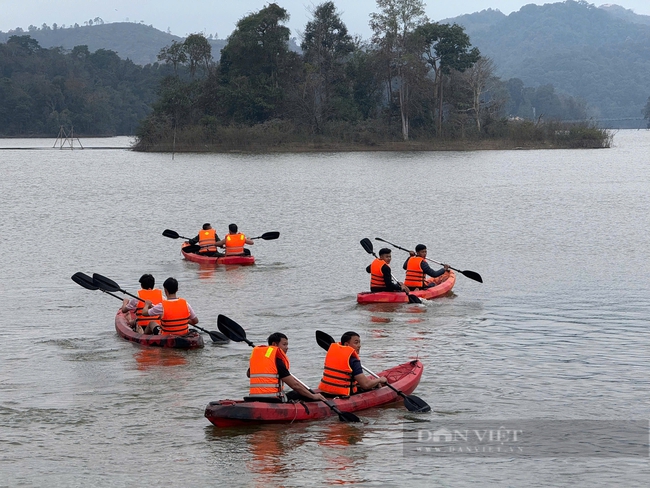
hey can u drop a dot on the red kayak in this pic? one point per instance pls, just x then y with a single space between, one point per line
193 340
227 260
235 413
444 284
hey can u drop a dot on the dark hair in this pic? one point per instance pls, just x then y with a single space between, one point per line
276 337
347 337
171 285
147 281
420 247
206 226
384 250
232 228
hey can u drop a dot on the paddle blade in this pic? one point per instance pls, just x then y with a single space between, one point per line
413 298
232 329
324 340
347 416
104 283
367 245
84 280
269 236
416 404
170 233
473 275
218 337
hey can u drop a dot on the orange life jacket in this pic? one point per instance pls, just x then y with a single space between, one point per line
414 274
175 317
376 276
156 297
337 373
235 244
264 380
207 240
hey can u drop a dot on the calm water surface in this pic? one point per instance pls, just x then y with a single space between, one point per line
558 330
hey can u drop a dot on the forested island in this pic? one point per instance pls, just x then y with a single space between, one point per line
414 85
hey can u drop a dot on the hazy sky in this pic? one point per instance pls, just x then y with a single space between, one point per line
219 16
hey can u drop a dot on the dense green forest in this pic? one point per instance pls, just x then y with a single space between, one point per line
414 80
98 93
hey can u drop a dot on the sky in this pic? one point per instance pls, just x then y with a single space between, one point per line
218 17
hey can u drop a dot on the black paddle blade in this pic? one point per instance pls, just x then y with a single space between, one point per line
346 416
413 298
217 337
84 280
473 275
416 404
171 234
232 330
104 283
367 245
269 236
324 340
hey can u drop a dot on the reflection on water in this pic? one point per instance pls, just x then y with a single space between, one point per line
151 357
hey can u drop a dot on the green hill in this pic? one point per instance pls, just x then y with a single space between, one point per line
601 55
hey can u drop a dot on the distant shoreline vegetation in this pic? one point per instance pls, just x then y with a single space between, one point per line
279 136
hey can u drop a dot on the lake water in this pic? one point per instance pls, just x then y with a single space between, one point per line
558 331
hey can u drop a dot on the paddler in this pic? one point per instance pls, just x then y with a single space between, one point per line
342 374
176 315
269 372
144 325
417 269
207 241
234 242
381 278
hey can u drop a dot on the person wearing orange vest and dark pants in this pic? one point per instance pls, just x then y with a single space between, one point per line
417 269
144 325
207 240
176 315
342 373
234 242
381 278
269 372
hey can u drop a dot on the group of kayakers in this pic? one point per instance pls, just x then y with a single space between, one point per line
208 242
416 267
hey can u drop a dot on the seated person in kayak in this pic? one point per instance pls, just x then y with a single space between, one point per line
207 241
144 325
343 375
234 242
269 372
417 269
176 315
381 278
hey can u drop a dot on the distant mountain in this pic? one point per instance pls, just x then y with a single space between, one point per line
138 42
599 54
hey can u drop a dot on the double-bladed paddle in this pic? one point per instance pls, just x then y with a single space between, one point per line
367 245
107 285
411 402
472 275
88 283
236 332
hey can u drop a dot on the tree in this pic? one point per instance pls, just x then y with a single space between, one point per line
199 52
445 47
255 64
174 55
325 45
392 29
